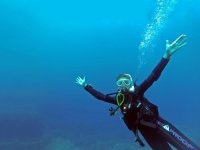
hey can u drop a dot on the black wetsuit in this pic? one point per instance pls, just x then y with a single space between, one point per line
140 114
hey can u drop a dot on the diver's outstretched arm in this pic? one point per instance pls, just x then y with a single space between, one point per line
94 92
170 50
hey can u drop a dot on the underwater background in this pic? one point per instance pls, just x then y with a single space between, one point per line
46 44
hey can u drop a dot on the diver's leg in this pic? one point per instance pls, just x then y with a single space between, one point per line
154 138
175 137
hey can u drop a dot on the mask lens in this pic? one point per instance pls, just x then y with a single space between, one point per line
127 82
119 82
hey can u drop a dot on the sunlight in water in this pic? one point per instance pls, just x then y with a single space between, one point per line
159 19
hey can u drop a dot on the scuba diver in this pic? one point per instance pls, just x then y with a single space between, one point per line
139 114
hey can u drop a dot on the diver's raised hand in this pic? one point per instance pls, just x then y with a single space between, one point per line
174 46
81 81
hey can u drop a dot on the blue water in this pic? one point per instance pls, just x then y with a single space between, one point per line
45 45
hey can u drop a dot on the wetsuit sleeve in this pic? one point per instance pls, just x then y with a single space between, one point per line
99 95
153 76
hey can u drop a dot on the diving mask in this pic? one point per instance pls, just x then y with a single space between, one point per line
123 82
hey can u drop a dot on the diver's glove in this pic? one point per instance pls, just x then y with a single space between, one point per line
174 46
81 81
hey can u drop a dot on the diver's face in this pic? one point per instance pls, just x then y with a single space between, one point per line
124 84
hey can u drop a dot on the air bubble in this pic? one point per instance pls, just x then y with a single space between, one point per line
158 21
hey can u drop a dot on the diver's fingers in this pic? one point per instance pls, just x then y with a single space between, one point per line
181 42
83 78
79 77
182 45
180 38
77 81
167 42
179 47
